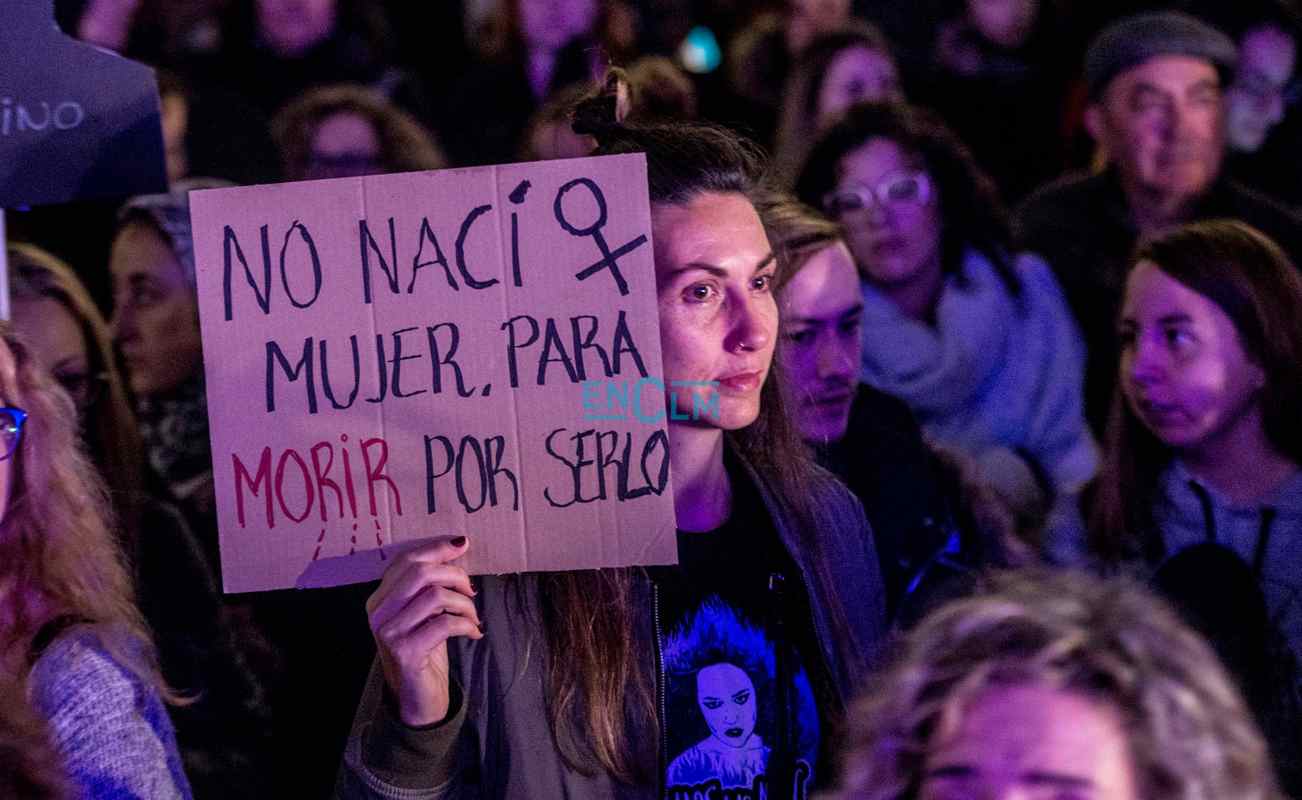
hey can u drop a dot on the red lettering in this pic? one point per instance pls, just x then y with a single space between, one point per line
307 485
375 473
323 481
263 476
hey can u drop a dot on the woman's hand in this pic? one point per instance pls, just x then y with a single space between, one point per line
423 601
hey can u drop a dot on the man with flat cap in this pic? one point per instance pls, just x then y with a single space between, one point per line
1155 109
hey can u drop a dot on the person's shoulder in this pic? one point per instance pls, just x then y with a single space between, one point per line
77 669
1068 190
1263 211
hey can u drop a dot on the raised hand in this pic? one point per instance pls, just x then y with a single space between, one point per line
423 601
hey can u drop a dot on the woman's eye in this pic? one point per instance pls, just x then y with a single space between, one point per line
700 293
800 337
145 296
1178 337
850 327
762 283
712 703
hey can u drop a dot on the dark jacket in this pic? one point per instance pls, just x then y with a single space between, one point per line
496 742
1082 226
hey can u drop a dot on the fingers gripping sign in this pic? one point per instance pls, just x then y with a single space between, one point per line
609 260
423 600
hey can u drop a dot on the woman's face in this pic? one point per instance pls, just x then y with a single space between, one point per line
155 311
1007 23
292 27
895 233
344 145
56 340
726 696
821 348
856 75
1184 372
1031 742
718 317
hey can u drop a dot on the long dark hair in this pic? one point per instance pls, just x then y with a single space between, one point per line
1251 279
599 684
971 213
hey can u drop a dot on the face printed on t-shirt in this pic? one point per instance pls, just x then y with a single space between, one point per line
727 697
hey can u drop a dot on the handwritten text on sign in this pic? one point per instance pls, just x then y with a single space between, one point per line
397 357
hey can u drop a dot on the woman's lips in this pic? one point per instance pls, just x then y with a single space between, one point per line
741 382
733 733
1160 415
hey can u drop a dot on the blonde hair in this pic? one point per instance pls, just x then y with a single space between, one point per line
1190 735
59 559
109 425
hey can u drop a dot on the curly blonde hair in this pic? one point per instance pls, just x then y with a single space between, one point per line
1190 735
59 558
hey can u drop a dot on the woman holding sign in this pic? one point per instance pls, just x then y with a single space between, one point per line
723 673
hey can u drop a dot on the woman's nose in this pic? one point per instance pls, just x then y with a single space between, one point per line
752 325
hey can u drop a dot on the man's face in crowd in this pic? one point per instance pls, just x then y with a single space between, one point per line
1160 123
1254 103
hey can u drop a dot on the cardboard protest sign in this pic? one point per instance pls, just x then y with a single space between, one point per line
75 121
467 351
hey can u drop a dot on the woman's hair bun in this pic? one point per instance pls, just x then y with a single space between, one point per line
601 114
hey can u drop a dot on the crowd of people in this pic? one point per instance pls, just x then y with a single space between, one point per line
1003 496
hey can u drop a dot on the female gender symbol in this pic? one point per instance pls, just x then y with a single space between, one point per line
608 259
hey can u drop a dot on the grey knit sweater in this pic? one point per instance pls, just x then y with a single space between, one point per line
110 727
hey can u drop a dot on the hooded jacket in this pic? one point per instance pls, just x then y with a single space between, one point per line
1267 535
496 742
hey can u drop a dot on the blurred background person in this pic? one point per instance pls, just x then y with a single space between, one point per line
310 645
1156 110
529 50
1261 132
837 70
932 528
761 56
348 130
973 336
999 77
1057 685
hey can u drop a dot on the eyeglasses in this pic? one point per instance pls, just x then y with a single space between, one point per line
11 430
897 189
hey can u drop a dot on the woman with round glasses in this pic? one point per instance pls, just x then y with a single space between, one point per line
69 626
975 338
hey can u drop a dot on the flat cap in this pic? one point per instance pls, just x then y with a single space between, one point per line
1133 40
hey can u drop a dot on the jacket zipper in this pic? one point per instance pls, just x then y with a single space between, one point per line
784 677
660 690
